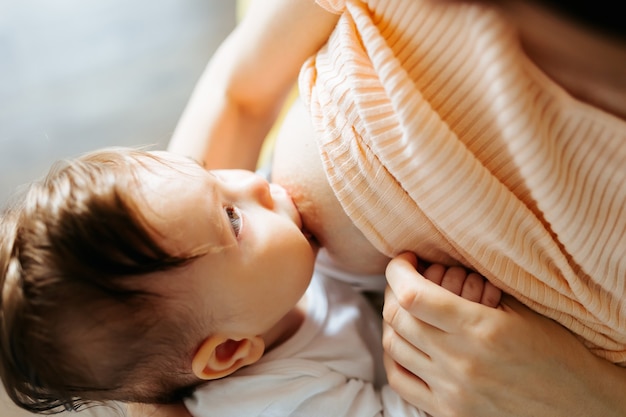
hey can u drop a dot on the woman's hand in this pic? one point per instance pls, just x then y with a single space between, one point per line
453 357
466 284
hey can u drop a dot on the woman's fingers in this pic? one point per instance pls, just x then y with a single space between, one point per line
491 295
469 285
406 384
412 331
405 355
425 300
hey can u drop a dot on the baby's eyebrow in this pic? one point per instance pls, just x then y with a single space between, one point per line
194 160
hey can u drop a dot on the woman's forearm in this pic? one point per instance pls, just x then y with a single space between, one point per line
242 90
218 132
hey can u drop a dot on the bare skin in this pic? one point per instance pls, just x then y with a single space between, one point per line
297 166
589 65
506 347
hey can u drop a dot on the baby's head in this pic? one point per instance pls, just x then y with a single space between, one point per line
133 276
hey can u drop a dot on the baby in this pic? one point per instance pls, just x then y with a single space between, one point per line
136 276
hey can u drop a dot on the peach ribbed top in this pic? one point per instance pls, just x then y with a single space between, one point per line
440 136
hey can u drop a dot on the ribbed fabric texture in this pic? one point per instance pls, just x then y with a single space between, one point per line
439 136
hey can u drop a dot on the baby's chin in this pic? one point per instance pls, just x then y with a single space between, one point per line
315 245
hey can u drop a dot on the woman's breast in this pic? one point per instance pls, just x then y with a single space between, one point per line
297 166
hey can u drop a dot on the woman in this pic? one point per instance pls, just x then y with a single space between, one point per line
574 69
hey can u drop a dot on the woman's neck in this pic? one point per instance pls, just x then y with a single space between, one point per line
589 65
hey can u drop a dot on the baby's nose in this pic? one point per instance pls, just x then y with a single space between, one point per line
259 189
248 186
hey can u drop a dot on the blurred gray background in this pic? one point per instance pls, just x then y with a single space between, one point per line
77 75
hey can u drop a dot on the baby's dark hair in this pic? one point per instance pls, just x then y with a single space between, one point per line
77 322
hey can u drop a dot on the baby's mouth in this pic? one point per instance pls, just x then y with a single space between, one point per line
310 237
281 193
285 204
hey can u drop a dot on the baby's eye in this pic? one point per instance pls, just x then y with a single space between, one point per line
234 218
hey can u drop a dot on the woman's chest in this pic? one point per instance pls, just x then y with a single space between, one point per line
297 167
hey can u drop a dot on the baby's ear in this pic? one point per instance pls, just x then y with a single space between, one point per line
221 355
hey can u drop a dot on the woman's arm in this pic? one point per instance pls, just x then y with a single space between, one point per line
450 356
239 95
